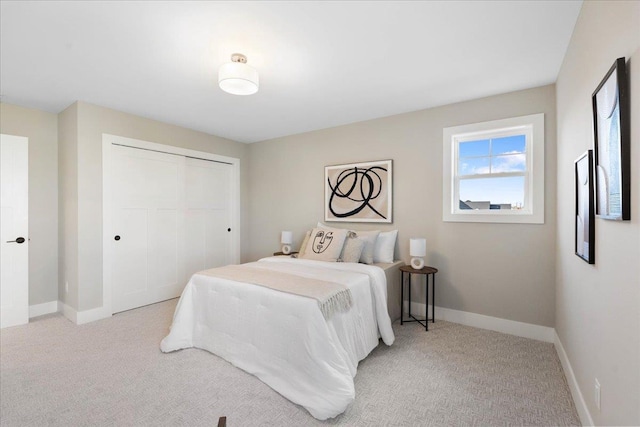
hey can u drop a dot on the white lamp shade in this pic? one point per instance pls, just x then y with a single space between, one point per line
418 247
238 78
286 238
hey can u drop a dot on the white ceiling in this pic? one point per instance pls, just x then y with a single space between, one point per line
321 64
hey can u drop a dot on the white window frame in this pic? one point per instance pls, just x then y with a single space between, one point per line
532 126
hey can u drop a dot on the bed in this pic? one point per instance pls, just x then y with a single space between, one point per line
284 339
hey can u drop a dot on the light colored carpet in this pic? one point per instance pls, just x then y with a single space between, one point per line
111 372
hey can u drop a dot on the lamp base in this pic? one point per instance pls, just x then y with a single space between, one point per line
286 249
417 263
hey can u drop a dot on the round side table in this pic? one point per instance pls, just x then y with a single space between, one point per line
425 271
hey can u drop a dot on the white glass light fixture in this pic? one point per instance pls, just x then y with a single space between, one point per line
417 250
286 239
238 78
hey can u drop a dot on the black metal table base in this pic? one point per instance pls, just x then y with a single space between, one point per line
423 322
412 318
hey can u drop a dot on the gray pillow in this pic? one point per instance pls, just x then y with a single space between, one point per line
352 249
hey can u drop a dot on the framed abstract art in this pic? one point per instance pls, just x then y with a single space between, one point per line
359 192
585 219
612 152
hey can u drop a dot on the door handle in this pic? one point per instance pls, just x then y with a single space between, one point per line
19 240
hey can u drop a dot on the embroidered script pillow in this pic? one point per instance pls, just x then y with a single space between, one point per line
325 245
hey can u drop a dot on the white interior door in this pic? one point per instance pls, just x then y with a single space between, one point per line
14 234
208 215
148 227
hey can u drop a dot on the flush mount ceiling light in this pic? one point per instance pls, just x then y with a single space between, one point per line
238 78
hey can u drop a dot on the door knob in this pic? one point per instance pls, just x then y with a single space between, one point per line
18 240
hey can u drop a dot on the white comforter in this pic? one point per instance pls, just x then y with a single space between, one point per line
282 338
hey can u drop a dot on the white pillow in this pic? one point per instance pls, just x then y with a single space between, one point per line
325 244
370 240
385 246
370 237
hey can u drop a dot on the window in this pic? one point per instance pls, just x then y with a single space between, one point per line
494 171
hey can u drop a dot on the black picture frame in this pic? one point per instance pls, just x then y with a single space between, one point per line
611 130
585 230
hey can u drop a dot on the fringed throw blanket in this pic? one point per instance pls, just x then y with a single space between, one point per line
331 296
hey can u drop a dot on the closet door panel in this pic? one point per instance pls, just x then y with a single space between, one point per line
148 200
218 251
208 214
131 258
169 254
195 243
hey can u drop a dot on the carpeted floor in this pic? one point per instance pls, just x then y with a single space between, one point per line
112 373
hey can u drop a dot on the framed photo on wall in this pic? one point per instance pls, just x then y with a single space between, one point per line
585 219
612 152
359 192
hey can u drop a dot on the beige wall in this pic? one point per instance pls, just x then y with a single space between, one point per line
598 306
501 270
41 129
92 122
68 206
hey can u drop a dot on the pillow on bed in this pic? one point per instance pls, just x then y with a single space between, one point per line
370 240
352 249
385 246
303 246
325 244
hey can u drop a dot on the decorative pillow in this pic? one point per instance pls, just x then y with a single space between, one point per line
370 238
352 249
385 246
303 246
325 244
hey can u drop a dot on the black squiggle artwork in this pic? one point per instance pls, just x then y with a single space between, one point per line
358 185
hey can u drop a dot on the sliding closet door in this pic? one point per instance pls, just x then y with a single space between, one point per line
148 227
171 216
208 215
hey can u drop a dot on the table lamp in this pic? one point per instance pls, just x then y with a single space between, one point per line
417 249
286 239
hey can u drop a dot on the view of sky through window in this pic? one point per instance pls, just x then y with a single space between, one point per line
493 158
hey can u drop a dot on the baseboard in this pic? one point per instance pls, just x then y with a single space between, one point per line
92 315
512 327
42 309
68 312
578 398
86 316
